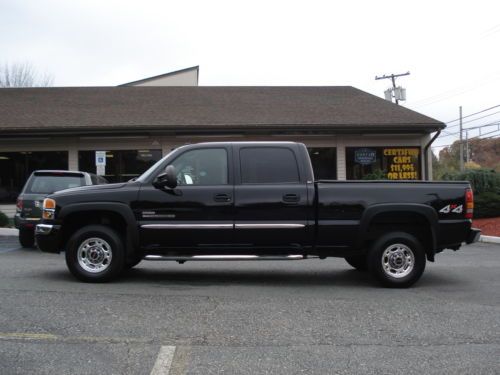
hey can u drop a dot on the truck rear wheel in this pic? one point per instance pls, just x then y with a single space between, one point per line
397 260
358 262
26 237
95 253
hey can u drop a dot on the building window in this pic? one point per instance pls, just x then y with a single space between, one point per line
324 162
121 165
16 167
388 163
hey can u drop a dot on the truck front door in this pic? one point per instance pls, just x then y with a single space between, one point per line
198 213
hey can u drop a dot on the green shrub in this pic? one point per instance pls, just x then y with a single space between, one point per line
486 205
377 174
4 220
486 186
481 180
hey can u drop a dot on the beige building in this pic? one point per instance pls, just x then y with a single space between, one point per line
350 134
184 77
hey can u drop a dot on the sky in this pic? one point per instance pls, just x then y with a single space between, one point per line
450 48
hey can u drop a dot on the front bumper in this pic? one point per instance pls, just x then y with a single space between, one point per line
48 237
25 223
473 236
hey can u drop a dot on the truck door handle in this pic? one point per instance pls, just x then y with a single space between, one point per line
222 198
291 198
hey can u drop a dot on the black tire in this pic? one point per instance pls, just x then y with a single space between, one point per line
26 237
133 263
397 260
358 262
95 243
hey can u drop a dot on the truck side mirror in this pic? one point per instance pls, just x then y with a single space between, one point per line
166 179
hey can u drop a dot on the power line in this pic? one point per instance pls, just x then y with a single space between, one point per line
482 135
491 31
476 137
472 114
483 126
447 134
456 91
479 118
492 136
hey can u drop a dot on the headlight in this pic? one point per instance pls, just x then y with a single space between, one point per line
49 209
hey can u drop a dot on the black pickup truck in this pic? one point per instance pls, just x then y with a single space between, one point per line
255 201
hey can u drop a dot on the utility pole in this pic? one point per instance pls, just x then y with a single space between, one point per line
461 143
393 79
467 158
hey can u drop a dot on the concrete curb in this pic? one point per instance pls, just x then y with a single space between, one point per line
490 239
9 232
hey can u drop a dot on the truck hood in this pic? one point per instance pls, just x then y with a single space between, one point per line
89 188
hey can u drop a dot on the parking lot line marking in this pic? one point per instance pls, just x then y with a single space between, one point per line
163 361
8 250
29 336
88 339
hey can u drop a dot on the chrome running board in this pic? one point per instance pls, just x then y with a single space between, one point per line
227 257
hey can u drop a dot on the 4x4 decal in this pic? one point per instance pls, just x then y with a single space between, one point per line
455 208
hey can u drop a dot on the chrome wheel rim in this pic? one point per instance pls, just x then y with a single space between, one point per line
94 255
398 261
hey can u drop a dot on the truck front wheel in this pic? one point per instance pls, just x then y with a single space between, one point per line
95 253
397 260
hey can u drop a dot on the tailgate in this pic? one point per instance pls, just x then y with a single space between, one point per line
32 206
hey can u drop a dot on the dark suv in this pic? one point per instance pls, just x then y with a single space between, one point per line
39 185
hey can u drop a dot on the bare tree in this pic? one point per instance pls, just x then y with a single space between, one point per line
23 75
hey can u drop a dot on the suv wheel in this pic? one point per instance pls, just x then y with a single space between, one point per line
397 260
95 254
26 237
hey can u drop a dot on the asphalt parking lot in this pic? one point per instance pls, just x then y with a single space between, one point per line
312 317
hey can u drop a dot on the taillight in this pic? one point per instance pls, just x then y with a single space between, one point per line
469 203
19 205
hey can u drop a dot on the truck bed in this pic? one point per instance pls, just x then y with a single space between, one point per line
345 208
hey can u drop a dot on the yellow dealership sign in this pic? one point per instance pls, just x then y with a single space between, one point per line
402 163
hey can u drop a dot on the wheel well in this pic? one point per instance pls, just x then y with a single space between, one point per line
410 222
77 220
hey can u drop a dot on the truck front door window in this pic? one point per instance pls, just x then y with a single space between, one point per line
202 167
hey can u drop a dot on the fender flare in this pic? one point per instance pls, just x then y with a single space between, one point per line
421 209
132 237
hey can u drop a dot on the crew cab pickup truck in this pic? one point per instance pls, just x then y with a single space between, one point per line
255 201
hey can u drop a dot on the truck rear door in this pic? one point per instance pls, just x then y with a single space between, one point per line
271 199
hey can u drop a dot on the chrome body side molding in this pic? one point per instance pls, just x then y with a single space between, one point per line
268 226
223 226
187 226
227 257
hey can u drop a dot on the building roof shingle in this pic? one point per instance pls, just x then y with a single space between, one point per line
86 109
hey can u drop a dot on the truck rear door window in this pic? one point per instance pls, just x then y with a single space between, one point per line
268 165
